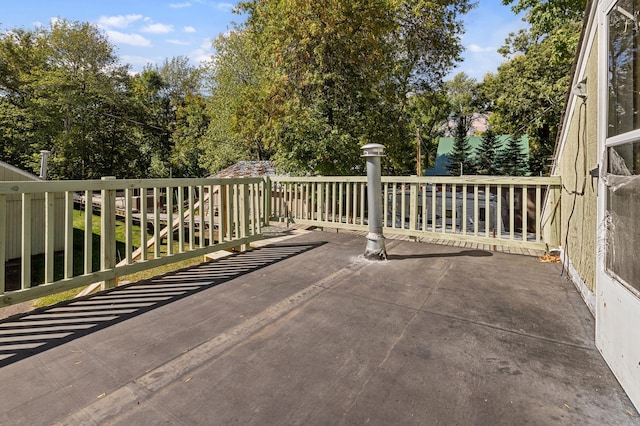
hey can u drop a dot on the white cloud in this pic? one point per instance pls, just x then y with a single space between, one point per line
203 53
479 49
157 29
120 21
225 7
179 5
178 42
189 29
136 61
130 39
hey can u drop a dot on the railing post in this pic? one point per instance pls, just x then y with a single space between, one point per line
267 194
552 218
108 233
413 205
375 240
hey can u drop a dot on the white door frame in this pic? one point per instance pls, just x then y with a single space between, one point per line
617 307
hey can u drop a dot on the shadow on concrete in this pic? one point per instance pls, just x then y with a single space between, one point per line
469 253
32 333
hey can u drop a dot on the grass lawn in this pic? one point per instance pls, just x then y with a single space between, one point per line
37 264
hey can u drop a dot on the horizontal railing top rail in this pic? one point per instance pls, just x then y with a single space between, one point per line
30 187
476 179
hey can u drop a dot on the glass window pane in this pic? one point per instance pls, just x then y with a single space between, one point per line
623 214
624 68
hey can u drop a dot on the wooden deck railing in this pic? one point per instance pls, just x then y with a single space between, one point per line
199 216
505 211
194 217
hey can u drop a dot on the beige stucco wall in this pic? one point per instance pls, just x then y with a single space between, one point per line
578 156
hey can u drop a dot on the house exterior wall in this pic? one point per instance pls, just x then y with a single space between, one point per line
14 216
579 155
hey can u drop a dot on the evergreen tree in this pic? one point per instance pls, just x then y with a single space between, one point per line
512 161
460 159
487 154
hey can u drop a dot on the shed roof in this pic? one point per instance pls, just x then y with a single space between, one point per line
248 169
12 173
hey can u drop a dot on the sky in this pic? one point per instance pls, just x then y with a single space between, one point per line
149 31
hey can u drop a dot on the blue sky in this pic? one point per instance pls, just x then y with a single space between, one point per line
148 31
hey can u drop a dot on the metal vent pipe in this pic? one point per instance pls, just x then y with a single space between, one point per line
43 163
375 249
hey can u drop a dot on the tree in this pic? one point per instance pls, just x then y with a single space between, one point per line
526 96
487 154
512 161
429 112
64 91
463 96
339 74
461 160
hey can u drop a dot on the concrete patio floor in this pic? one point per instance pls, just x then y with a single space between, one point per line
304 331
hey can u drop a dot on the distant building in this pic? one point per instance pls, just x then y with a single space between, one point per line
445 148
247 169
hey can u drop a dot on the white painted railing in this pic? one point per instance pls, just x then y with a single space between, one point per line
201 215
505 211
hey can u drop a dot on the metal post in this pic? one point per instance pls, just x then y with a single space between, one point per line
375 240
44 154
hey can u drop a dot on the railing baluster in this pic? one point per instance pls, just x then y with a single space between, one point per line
348 202
464 209
236 211
499 211
201 210
88 238
192 219
394 202
229 200
476 210
403 206
143 224
512 206
385 204
26 241
363 191
538 208
49 221
169 209
354 201
128 225
454 209
341 203
525 211
487 211
212 213
156 223
433 207
68 233
443 208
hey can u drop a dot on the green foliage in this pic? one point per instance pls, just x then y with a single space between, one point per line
461 159
428 111
338 75
487 154
512 162
526 96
